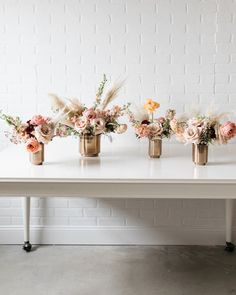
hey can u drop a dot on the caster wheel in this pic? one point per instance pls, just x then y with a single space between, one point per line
27 246
229 247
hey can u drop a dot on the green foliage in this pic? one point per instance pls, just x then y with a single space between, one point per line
11 121
101 89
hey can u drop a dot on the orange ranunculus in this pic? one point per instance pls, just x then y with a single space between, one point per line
151 105
33 146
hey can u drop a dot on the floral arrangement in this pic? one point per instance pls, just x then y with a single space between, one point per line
145 125
33 133
95 120
203 129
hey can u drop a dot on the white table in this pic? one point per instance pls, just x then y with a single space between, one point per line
121 171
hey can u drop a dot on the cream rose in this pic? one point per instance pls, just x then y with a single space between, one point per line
121 128
192 134
44 133
81 124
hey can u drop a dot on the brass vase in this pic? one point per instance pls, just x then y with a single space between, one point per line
37 158
89 145
155 148
200 154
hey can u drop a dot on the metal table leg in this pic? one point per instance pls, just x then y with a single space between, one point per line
229 208
26 219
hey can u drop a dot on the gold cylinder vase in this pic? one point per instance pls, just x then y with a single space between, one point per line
38 157
155 148
89 145
200 154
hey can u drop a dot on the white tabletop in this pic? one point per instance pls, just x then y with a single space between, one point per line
118 163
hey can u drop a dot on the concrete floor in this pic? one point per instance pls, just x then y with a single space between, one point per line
117 270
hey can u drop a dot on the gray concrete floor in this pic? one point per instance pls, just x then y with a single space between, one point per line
117 270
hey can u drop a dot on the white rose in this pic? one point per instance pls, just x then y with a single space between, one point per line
192 134
121 128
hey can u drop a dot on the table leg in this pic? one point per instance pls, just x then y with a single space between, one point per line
26 219
229 208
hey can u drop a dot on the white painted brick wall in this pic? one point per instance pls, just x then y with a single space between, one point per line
181 52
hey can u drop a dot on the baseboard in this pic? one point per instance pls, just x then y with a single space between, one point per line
114 236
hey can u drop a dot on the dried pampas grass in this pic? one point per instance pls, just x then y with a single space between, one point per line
111 95
66 109
68 106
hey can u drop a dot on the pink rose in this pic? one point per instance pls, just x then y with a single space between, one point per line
228 130
90 114
33 146
38 120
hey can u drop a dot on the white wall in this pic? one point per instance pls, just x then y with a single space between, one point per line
181 52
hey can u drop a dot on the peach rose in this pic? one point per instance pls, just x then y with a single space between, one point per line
90 114
38 120
142 130
228 130
33 146
151 105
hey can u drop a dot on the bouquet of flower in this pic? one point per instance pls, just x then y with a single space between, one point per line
95 120
145 125
33 133
203 129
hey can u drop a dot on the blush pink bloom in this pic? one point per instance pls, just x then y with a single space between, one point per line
38 120
142 130
33 146
155 129
89 114
228 130
192 134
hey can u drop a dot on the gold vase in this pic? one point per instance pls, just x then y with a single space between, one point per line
90 145
37 158
155 148
200 154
